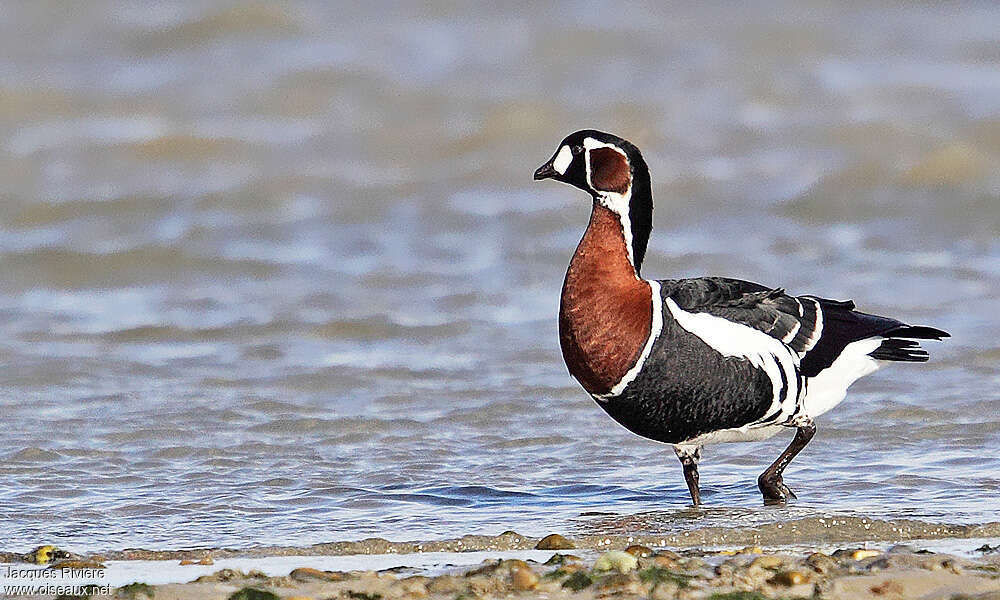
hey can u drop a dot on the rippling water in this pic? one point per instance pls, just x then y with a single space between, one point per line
278 274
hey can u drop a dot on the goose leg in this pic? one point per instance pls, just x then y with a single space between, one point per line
770 481
689 457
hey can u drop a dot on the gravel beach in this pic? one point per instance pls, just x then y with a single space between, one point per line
550 567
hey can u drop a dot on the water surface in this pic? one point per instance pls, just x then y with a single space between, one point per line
277 274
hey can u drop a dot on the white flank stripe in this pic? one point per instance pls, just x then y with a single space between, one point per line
654 332
763 351
791 334
817 331
829 386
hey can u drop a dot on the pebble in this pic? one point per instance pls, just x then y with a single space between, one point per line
249 593
554 542
616 560
560 559
414 586
667 562
863 554
618 585
789 578
577 581
309 573
821 563
767 561
746 550
639 551
523 579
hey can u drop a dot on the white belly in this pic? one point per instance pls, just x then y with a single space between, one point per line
737 434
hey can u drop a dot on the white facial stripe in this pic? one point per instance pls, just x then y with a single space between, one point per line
561 163
591 144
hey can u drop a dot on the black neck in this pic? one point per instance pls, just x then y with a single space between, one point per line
640 212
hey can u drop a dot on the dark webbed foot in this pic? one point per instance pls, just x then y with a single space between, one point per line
689 457
770 482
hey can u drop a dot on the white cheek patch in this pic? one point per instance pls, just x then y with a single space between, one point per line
563 159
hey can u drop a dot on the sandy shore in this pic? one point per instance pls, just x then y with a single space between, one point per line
556 571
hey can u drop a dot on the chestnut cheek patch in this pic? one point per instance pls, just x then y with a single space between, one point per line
609 171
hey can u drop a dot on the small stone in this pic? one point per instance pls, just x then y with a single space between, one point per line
559 559
249 593
445 584
221 575
187 561
303 574
901 549
619 585
767 561
523 579
863 554
414 586
565 570
206 561
821 563
577 581
616 560
554 542
135 590
664 561
789 578
639 551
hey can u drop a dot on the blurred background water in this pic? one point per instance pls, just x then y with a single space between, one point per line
278 273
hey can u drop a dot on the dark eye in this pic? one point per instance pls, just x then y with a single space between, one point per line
577 150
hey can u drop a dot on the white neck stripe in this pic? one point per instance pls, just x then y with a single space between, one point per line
656 325
615 202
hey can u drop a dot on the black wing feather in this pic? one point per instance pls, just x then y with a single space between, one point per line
777 314
769 310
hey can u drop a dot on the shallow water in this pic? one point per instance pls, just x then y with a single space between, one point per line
278 274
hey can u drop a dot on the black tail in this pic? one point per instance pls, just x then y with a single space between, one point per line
918 333
900 350
903 350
